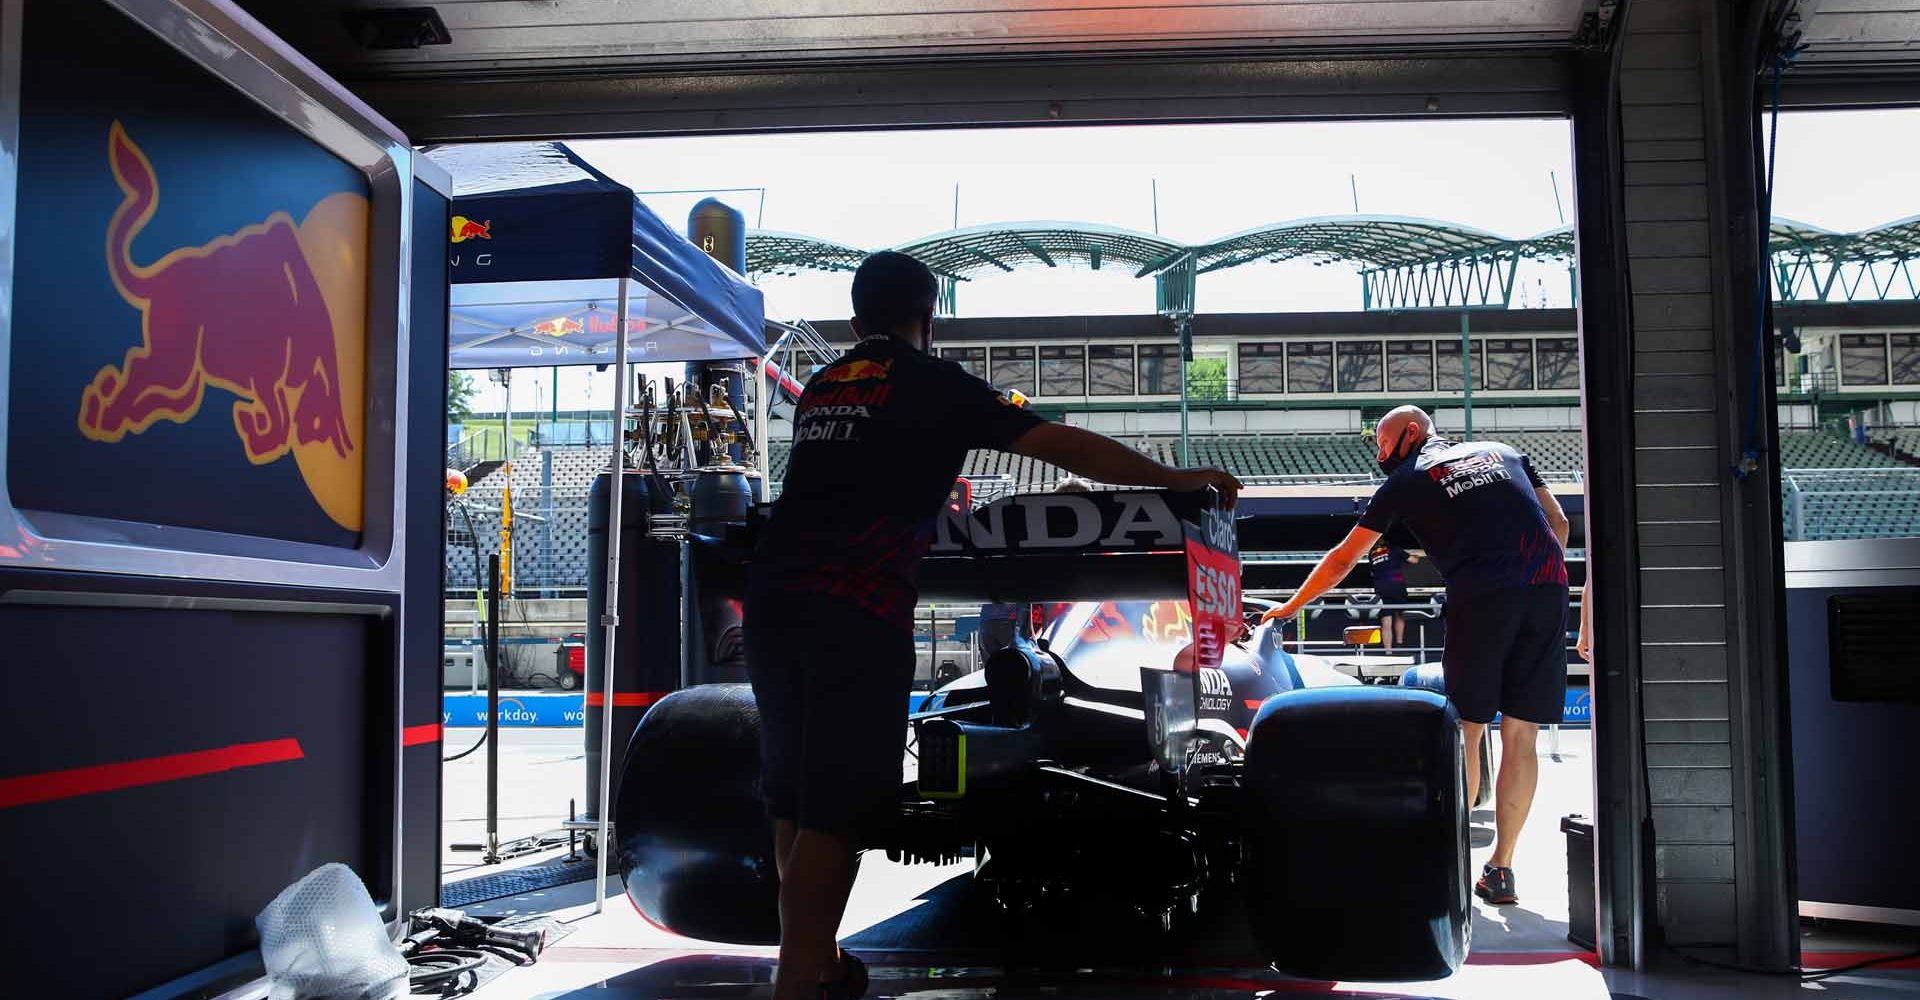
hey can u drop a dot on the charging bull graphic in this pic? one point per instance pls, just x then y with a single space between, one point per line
274 313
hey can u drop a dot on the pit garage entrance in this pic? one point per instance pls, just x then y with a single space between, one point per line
1663 99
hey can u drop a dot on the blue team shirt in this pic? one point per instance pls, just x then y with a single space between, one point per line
1473 509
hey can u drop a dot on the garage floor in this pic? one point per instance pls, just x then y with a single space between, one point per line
912 925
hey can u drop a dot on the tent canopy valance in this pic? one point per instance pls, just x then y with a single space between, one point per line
542 245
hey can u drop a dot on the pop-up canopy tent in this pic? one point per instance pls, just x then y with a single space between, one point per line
545 246
551 261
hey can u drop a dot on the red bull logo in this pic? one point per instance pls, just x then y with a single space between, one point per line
274 313
856 371
465 229
558 327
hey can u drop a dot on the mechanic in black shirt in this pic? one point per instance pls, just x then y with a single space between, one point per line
1498 537
879 437
1389 563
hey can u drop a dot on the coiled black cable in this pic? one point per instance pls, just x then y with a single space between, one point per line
439 971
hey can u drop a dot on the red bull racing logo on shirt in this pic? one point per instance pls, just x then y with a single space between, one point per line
856 371
274 313
1463 474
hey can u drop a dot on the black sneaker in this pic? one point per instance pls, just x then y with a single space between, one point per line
1496 886
852 984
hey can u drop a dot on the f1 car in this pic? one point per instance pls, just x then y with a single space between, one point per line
1139 740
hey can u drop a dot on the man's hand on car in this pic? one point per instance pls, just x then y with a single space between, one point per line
1187 480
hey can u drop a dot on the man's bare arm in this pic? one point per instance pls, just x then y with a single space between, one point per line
1102 459
1333 568
1556 518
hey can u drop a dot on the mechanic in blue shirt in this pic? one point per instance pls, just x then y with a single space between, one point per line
879 437
1498 537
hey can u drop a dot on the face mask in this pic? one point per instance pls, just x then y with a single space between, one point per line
1395 458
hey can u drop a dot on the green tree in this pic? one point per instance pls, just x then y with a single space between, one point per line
460 393
1207 378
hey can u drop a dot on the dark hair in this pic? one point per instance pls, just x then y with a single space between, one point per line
890 290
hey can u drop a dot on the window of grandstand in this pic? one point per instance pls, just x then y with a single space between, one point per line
1409 366
1360 369
1446 366
1110 370
1263 367
973 359
1509 364
1863 359
1310 366
1906 358
1014 370
1558 362
1063 371
1159 369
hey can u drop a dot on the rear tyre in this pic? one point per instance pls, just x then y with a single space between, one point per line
1356 863
692 839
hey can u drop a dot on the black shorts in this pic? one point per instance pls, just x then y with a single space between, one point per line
831 682
1507 653
1390 594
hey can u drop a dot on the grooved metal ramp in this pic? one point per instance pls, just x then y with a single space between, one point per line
532 878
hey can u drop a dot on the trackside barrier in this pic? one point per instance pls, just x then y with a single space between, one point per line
525 711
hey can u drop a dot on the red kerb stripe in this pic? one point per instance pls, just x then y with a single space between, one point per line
78 781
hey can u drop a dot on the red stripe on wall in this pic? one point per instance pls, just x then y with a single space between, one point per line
1837 959
627 699
52 785
413 736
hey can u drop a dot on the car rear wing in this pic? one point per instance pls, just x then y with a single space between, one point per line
1108 545
1129 545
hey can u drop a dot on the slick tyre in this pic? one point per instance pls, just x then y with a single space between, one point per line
693 843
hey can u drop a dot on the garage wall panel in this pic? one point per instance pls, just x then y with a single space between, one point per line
1687 731
1702 825
1687 785
1675 463
1685 663
1679 465
1666 151
1690 911
1684 623
1688 755
1655 314
1676 503
1704 701
1676 859
1668 239
1664 203
1681 171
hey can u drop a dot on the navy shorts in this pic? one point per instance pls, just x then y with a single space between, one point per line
831 682
1390 594
1507 653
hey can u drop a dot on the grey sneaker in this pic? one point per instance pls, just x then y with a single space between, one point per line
1496 886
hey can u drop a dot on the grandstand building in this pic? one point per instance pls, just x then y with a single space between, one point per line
1285 398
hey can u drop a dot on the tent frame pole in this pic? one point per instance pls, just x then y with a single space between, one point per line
610 618
760 446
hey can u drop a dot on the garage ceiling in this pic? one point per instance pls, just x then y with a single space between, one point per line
1860 32
574 35
580 68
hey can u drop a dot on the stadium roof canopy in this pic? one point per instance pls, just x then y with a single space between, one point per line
1404 262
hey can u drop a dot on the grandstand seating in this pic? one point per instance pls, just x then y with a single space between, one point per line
1864 501
1823 450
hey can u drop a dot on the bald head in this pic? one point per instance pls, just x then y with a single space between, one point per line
1408 422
